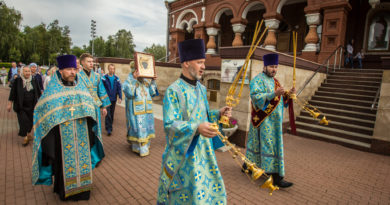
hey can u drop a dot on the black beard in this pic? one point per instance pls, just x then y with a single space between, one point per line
268 74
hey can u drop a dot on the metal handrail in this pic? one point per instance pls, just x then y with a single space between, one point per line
376 98
334 53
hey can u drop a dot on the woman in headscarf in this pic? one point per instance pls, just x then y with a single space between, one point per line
24 94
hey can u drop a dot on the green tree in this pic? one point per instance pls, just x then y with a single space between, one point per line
77 51
158 51
9 28
99 46
34 57
14 54
110 48
124 44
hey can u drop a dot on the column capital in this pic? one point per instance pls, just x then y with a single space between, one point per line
211 31
238 28
272 24
313 19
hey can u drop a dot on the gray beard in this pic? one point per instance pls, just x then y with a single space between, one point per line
193 74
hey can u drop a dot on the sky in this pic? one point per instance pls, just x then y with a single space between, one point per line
146 19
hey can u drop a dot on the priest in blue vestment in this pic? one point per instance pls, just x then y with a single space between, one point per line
139 111
65 144
94 83
189 172
265 138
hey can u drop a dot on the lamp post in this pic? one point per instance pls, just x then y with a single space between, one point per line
93 34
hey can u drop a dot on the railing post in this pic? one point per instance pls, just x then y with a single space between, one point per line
327 67
335 60
341 57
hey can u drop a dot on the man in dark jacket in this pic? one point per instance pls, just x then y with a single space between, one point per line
113 87
12 72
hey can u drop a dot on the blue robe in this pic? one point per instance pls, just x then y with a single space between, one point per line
139 113
265 143
189 172
94 84
67 107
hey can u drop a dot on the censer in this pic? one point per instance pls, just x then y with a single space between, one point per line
232 101
313 111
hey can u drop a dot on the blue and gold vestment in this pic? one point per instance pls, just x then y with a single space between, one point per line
68 108
94 84
265 142
139 113
189 172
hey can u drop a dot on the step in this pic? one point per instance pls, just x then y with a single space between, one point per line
323 137
334 132
348 91
342 101
359 70
344 119
345 96
354 108
355 74
348 86
350 82
347 113
354 78
338 125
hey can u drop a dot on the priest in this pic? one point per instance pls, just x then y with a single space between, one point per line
65 145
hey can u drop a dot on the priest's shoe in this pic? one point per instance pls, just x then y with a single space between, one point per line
284 184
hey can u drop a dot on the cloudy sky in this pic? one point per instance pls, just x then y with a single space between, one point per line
146 19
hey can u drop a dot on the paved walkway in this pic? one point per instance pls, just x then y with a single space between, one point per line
323 173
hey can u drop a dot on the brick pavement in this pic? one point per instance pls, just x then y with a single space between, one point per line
323 173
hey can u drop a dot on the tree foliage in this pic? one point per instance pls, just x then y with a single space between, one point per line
157 50
43 42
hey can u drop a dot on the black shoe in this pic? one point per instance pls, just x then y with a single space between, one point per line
109 134
284 184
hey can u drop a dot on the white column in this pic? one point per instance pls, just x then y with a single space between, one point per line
311 40
270 41
238 29
203 14
211 45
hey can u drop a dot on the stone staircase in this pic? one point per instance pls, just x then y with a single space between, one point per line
345 98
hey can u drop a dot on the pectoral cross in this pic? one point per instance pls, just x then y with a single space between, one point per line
71 109
256 118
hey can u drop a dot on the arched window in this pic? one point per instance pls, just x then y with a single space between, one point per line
378 38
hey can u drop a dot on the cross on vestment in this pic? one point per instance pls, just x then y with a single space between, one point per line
71 109
256 118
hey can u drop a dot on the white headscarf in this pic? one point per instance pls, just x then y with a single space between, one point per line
26 82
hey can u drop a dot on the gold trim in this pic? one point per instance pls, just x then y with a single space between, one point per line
149 101
139 103
166 172
104 96
58 108
70 92
143 140
149 111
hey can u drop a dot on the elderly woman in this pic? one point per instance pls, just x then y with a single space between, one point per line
24 95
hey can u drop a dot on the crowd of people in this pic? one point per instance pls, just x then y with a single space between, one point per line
65 108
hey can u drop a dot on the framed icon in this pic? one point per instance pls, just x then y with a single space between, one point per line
144 63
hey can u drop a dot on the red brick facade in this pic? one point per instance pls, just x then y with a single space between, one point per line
321 25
